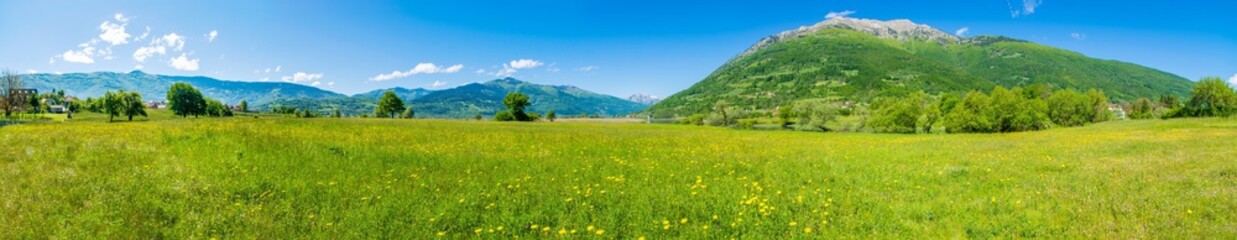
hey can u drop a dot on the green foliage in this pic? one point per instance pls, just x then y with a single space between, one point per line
814 114
694 119
1142 108
337 114
973 114
408 113
516 104
1099 105
122 103
504 116
1014 111
550 116
244 106
1069 108
184 100
389 105
477 117
1211 97
214 108
899 115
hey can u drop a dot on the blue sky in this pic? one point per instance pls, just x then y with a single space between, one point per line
613 47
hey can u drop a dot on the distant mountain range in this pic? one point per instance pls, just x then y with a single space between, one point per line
461 102
846 59
644 99
154 87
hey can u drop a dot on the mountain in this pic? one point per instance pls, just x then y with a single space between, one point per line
154 87
403 93
486 99
476 98
644 99
847 59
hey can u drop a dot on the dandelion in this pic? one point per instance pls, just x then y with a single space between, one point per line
793 223
562 231
600 232
807 230
683 221
442 234
590 228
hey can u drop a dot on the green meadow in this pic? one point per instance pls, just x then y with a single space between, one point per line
268 177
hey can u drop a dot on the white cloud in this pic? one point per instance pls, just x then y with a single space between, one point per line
842 14
525 64
51 60
300 77
120 17
160 47
962 31
277 68
587 68
422 68
113 33
437 84
480 71
330 84
268 70
183 63
138 67
31 71
1078 36
1233 80
1028 7
82 56
144 35
316 83
210 37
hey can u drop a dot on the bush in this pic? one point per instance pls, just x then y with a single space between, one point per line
504 116
814 114
971 115
1211 97
694 119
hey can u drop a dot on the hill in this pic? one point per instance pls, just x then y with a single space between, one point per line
154 87
476 98
848 59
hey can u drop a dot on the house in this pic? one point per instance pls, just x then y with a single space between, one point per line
1117 110
23 94
56 109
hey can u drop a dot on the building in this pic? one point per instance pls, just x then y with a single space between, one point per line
22 95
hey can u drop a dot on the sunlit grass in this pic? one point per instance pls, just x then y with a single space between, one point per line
371 178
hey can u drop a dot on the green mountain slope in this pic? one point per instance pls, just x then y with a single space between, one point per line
154 87
856 60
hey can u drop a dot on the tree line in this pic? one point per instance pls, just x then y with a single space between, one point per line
1035 107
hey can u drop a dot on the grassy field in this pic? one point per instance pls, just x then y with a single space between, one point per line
369 178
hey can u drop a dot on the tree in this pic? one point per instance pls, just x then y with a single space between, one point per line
1015 111
1169 101
1099 106
132 104
244 106
1142 109
113 104
337 114
477 117
184 100
936 111
549 115
814 114
214 108
1069 108
1211 97
408 113
971 115
898 115
32 103
504 116
389 105
9 84
516 104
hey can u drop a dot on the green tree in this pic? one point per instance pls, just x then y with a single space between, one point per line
1069 108
1211 97
337 114
504 116
214 108
898 115
973 114
1169 101
477 117
244 106
550 116
1099 106
814 114
389 105
408 113
32 103
516 104
1015 111
184 100
131 104
113 104
1142 109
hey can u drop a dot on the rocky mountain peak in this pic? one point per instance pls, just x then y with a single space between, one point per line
900 29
